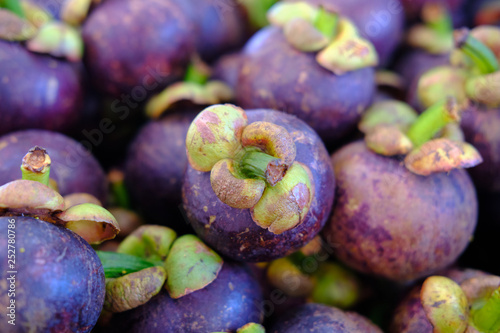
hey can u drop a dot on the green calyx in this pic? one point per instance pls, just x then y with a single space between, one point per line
150 255
432 142
313 29
13 6
435 35
58 39
195 88
251 166
474 74
15 28
471 306
256 11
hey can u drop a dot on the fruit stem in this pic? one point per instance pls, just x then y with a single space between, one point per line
257 164
195 74
487 318
118 188
257 11
119 264
326 23
482 57
14 6
433 120
36 165
437 18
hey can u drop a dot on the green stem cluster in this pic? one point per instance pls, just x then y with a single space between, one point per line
482 57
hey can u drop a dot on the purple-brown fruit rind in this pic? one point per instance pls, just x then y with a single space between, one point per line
233 232
322 318
72 167
60 283
190 266
370 229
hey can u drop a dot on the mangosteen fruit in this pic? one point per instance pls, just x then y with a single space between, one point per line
403 217
270 186
316 66
322 318
73 168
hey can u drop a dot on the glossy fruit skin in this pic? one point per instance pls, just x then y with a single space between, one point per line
229 302
231 231
381 21
480 126
137 47
73 167
38 91
275 75
392 223
155 164
321 318
59 284
219 26
409 315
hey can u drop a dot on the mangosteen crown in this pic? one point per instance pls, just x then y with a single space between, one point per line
251 166
432 142
339 46
473 75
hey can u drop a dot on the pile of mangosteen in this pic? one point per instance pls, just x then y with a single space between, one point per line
249 166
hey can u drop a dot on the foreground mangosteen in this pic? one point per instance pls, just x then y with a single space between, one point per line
203 293
405 220
473 78
270 186
56 280
42 77
310 63
456 301
321 318
73 168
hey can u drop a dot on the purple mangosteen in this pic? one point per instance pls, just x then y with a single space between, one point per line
322 318
270 188
136 47
380 21
73 167
399 217
319 69
38 91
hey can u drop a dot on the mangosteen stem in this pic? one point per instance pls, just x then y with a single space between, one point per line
14 6
482 57
257 164
36 165
197 72
437 18
257 11
487 318
118 188
432 120
326 23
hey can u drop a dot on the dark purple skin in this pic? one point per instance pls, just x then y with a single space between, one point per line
392 223
38 91
409 316
227 69
136 47
232 300
219 26
275 75
59 284
480 128
320 318
381 21
155 165
73 167
231 231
